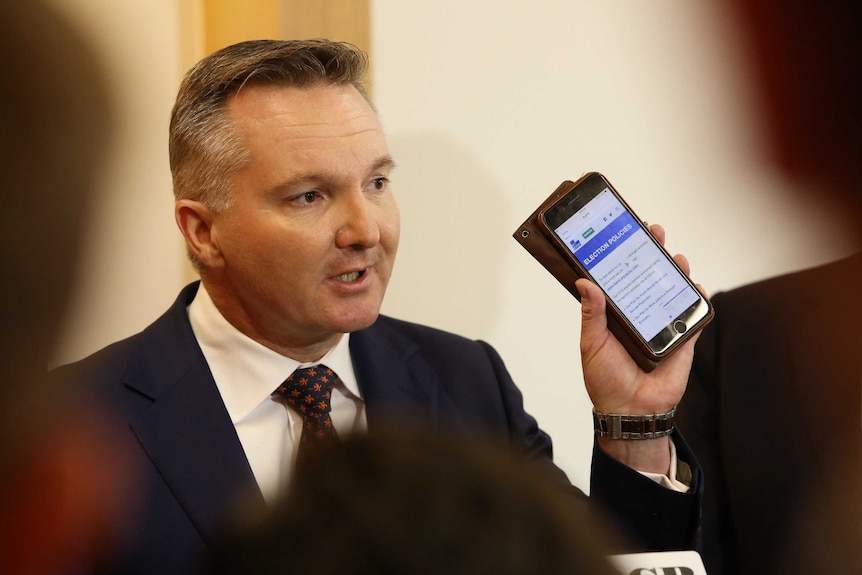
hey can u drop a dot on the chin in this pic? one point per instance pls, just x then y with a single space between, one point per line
350 322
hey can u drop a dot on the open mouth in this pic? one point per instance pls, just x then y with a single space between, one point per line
350 276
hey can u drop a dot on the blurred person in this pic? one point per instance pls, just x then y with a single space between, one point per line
60 477
409 502
281 176
773 408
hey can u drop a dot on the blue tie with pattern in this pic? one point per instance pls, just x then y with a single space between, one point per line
309 391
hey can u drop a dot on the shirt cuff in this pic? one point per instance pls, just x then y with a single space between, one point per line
679 477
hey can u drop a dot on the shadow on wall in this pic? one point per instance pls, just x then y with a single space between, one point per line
453 229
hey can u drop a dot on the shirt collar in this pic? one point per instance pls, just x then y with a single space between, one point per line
246 372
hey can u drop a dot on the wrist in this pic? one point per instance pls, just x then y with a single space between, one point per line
650 455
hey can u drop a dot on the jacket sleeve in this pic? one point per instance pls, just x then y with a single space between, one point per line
645 515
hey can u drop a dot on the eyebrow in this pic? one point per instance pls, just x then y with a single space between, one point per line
383 163
386 162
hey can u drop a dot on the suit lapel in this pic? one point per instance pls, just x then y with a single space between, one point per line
187 432
397 384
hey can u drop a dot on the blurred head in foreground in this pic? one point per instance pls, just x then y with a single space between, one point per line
56 487
806 59
410 503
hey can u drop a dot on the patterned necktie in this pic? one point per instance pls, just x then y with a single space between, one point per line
309 391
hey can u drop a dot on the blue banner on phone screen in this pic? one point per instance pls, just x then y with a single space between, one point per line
631 269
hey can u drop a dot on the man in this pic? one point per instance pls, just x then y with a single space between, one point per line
282 179
774 405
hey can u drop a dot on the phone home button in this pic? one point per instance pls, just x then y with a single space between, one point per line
680 326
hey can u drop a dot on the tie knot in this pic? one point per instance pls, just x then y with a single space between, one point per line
309 390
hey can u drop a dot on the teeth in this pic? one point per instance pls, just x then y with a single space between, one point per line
349 277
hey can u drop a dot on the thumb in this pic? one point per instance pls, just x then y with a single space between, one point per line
594 322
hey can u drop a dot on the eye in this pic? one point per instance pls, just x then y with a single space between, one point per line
379 184
307 197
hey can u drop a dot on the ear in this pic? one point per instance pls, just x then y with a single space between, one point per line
195 221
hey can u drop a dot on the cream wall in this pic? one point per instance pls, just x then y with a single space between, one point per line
488 104
133 264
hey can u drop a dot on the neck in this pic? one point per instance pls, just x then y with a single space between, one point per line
304 348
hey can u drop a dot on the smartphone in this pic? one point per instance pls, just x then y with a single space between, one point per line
652 302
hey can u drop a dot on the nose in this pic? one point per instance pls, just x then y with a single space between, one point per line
359 226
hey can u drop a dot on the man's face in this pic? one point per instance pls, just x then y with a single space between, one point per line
307 249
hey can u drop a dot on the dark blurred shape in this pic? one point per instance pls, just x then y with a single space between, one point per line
772 406
825 539
806 58
401 501
55 114
58 488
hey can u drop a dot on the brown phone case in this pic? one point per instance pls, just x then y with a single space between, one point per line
534 239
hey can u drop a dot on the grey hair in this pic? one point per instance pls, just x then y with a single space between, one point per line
205 148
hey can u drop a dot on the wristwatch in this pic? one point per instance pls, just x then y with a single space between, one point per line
619 426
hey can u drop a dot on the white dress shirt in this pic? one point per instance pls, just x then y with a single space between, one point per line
246 373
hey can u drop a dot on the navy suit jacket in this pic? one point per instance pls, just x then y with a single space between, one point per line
194 474
773 401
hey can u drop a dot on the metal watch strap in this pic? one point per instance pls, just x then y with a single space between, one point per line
619 426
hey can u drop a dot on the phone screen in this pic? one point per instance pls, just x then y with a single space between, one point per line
635 274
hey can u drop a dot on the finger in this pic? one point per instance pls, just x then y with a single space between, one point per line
658 233
683 264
